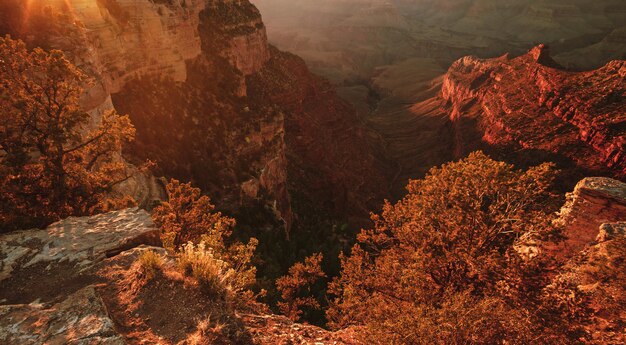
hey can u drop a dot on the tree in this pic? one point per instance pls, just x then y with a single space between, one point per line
53 161
296 287
447 254
188 216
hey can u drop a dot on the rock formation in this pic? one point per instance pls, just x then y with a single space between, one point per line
67 253
196 76
352 47
528 104
79 319
599 272
595 203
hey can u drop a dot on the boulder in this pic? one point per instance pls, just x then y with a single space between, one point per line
80 319
66 254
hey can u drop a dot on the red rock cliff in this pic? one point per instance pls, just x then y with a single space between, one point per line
528 103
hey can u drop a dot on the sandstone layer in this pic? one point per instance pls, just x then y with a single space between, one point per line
591 213
528 104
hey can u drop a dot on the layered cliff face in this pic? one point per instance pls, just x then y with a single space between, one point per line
594 202
202 128
392 71
211 101
329 153
529 104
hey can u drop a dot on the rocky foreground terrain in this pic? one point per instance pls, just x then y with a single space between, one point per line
78 281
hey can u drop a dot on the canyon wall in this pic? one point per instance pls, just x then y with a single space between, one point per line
529 104
212 102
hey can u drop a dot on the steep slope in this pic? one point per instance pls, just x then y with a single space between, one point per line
202 86
527 104
329 152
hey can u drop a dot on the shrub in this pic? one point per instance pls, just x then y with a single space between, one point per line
213 275
189 216
296 287
189 224
220 279
151 263
445 255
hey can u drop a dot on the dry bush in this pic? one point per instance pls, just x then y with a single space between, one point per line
220 279
441 264
213 275
296 287
189 224
151 263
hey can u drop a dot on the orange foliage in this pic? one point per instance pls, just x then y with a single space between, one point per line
442 265
295 288
188 216
53 162
198 235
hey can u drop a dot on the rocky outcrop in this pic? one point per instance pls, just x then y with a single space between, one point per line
126 39
528 104
79 282
116 41
65 255
594 202
181 70
599 272
81 318
203 129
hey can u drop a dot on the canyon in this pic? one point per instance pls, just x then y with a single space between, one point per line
391 60
213 102
299 118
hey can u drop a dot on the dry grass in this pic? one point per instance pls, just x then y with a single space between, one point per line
214 275
151 263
